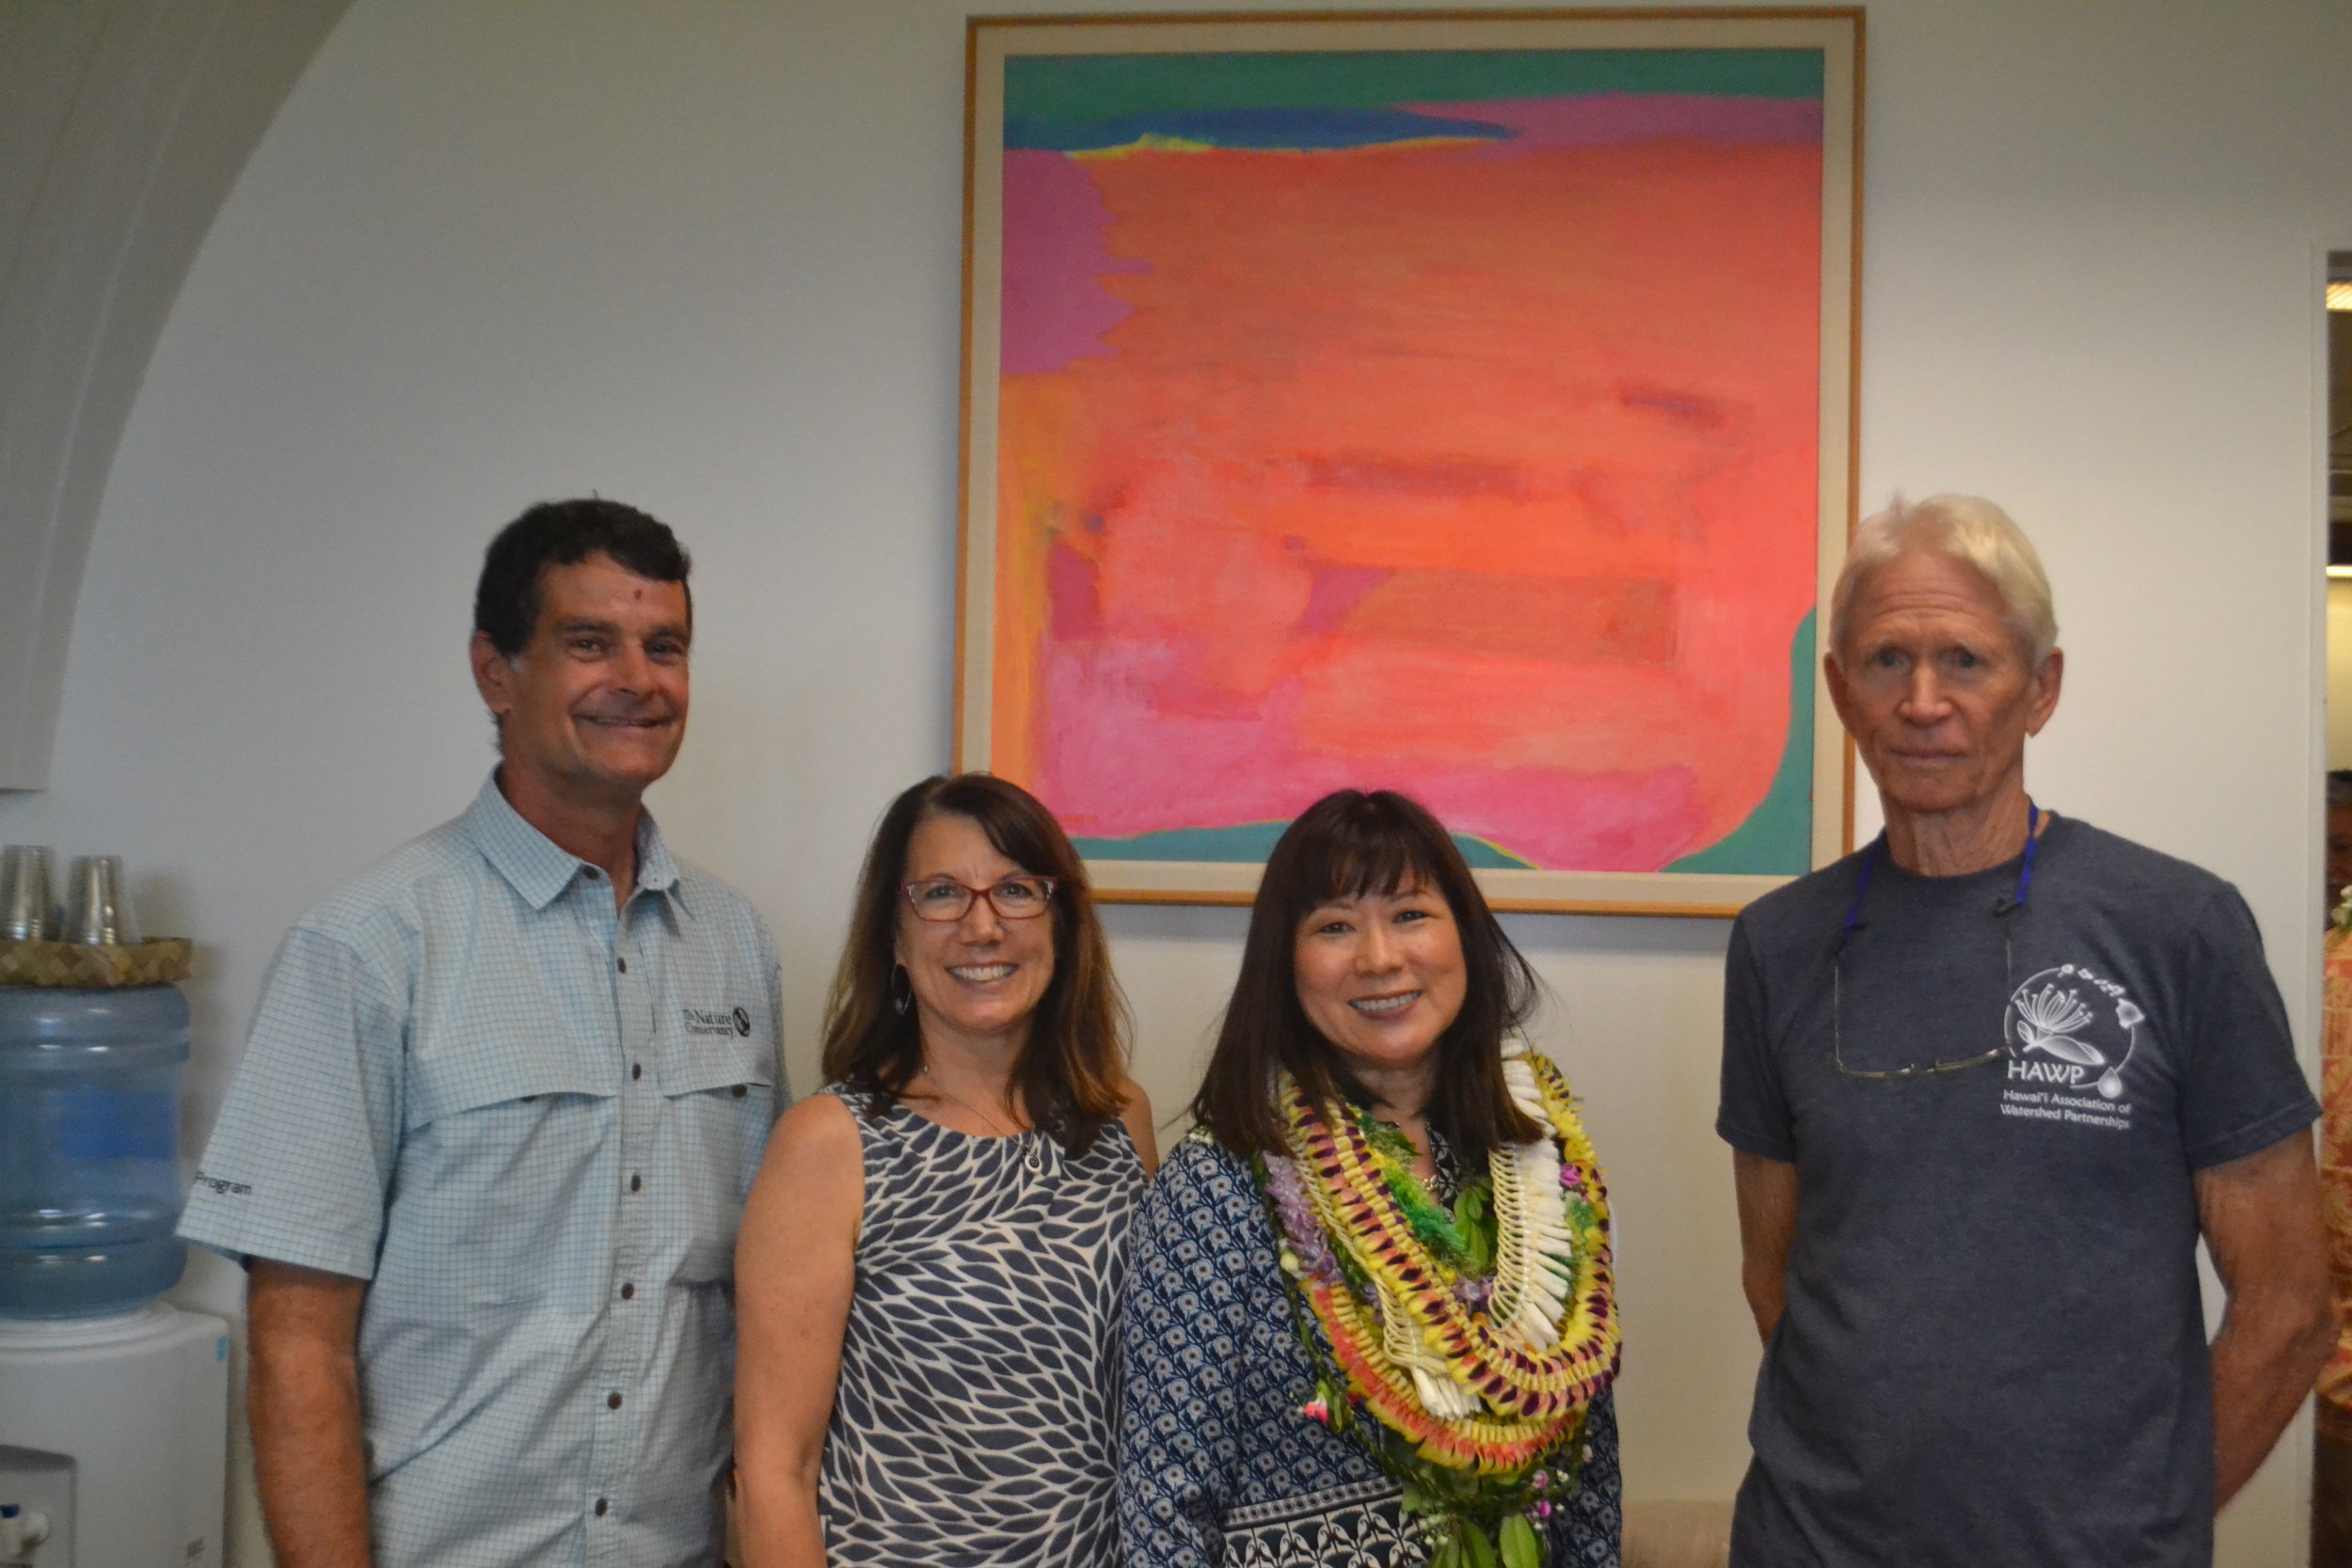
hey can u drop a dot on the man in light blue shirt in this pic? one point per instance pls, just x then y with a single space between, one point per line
489 1141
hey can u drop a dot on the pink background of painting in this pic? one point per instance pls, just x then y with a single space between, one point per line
1487 477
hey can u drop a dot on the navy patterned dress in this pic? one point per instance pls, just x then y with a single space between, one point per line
972 1426
1216 1465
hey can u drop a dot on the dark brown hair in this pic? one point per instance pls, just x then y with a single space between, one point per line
1071 1074
506 599
1345 845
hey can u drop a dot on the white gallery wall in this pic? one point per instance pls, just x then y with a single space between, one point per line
705 258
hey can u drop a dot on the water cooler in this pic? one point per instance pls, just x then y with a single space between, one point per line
113 1405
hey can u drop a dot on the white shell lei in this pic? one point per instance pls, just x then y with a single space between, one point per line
1534 1256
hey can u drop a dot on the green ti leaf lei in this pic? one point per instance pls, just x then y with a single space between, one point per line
1469 1521
1463 1241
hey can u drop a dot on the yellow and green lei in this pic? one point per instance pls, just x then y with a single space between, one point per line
1477 1340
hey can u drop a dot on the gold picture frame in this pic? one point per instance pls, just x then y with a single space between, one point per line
1511 355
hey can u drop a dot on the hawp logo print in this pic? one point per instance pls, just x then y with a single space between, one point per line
2070 1029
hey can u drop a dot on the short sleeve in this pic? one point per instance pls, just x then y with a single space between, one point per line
303 1156
1753 1114
2241 1089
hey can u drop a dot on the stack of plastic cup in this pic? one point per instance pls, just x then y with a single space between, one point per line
26 911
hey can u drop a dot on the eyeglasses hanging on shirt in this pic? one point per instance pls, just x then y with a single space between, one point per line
2002 910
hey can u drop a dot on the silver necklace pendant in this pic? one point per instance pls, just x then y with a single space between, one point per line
991 1122
1033 1153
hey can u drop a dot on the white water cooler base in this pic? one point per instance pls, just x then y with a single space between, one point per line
117 1429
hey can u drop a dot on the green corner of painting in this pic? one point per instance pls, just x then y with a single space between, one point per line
1776 839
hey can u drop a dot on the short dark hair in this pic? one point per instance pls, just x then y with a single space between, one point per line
1344 845
564 533
2338 787
1072 1075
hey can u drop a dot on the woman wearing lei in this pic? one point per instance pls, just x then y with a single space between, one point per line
1369 1314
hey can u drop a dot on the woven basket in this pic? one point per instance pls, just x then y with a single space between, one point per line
85 966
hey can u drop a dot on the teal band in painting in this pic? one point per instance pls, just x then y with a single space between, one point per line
1085 87
1249 843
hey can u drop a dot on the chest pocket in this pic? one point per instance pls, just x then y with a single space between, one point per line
453 1084
720 1096
504 1130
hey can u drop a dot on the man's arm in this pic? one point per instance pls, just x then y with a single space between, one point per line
2261 1218
303 1401
1767 1191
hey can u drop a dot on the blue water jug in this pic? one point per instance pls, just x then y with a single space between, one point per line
90 1147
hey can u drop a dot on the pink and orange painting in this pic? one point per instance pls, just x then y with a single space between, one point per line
1449 420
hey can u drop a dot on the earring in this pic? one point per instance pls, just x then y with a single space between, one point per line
901 989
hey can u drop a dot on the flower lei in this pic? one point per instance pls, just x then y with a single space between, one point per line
1476 1345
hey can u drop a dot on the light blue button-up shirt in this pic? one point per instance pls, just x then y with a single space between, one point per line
530 1120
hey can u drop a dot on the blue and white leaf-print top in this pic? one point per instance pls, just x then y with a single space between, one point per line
1216 1465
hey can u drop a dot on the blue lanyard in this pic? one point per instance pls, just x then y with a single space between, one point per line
1870 863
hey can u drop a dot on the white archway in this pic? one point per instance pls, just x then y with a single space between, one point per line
127 122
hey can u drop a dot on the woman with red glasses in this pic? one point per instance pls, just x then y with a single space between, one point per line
932 1257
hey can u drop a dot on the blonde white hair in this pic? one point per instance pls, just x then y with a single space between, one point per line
1971 531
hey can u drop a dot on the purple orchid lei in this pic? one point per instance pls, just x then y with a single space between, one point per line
1300 1227
1312 1248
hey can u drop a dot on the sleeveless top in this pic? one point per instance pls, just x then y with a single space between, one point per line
973 1423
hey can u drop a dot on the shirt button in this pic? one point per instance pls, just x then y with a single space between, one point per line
623 963
636 1183
612 1402
628 1293
601 1506
740 1091
637 1070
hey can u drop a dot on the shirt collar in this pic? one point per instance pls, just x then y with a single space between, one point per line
537 867
656 871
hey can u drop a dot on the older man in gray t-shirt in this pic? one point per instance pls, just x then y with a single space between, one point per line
1987 1082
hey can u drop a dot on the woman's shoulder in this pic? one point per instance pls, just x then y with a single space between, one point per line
868 1110
827 1116
811 1178
1198 1162
1204 1217
1134 1114
1199 1172
817 1133
1204 1186
849 1126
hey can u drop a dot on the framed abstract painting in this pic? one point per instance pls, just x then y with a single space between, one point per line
1454 403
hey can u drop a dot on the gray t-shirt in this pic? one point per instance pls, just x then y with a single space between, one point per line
1994 1349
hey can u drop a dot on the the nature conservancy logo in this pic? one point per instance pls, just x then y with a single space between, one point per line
2070 1034
734 1021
